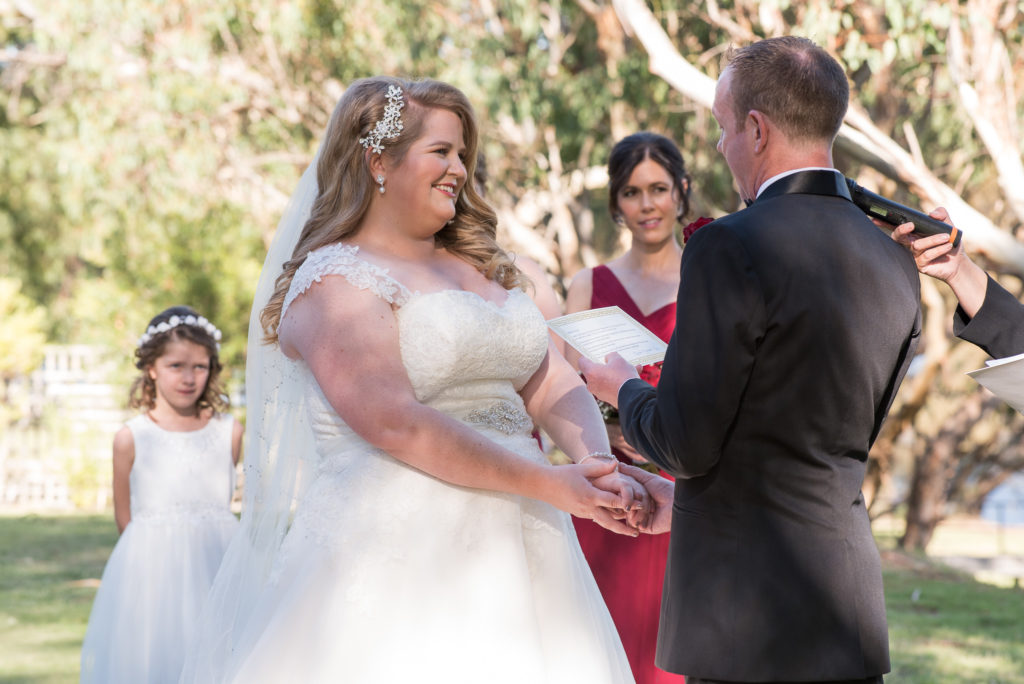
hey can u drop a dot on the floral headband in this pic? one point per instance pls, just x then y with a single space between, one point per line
175 321
390 125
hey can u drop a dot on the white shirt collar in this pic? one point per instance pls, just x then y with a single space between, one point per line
777 176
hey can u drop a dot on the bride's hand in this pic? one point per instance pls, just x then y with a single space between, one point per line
641 515
637 503
573 491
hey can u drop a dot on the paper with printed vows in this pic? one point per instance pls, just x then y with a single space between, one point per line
1004 378
595 333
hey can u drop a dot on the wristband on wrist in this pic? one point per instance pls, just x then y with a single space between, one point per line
598 454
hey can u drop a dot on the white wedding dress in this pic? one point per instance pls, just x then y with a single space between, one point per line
389 575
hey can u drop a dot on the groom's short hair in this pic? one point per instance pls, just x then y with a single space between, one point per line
792 81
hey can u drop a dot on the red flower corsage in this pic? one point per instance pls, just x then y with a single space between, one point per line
692 228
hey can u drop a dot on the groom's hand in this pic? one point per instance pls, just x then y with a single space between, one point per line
662 491
637 503
588 501
605 379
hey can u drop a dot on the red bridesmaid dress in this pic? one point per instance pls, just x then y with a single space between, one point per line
630 571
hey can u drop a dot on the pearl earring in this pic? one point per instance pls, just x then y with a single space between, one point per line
380 182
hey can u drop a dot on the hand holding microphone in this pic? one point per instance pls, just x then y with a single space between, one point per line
896 214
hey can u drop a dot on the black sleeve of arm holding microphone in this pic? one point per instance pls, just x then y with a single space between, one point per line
998 327
896 214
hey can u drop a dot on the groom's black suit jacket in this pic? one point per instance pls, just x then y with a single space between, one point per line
796 321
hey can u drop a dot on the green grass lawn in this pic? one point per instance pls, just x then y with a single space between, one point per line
943 625
45 596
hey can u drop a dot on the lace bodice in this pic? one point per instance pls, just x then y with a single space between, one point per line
181 475
465 356
339 259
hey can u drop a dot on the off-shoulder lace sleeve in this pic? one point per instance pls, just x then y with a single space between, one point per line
343 260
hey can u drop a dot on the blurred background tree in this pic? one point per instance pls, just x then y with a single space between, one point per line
21 343
150 147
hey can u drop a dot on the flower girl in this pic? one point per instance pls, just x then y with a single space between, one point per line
174 467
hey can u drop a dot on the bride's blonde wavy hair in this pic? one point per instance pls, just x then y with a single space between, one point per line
345 183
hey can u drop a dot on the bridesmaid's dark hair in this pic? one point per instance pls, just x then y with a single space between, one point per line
633 149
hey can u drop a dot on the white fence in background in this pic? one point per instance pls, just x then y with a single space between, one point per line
66 412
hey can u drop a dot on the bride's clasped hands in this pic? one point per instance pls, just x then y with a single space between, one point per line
630 509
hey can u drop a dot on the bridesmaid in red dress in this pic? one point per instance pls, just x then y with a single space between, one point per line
647 195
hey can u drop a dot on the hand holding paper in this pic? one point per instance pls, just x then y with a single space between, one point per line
595 333
612 344
604 380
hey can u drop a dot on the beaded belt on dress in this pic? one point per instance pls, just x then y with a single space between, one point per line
503 416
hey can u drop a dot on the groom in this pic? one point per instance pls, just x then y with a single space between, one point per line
797 319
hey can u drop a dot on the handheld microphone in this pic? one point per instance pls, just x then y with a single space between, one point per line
896 214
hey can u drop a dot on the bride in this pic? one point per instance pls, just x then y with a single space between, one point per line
401 524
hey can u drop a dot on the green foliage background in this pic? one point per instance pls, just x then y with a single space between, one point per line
149 147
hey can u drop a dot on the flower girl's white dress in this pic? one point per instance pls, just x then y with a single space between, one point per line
158 576
391 576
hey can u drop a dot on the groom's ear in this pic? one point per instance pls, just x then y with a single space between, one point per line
758 125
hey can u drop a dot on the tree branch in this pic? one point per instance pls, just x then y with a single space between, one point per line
985 100
858 135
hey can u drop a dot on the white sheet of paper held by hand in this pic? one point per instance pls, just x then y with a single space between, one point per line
1004 378
595 333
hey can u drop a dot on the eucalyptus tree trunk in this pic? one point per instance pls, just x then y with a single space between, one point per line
859 137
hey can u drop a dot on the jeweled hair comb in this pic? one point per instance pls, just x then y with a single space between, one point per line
390 125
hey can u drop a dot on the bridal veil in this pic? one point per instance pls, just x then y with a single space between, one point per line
279 441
